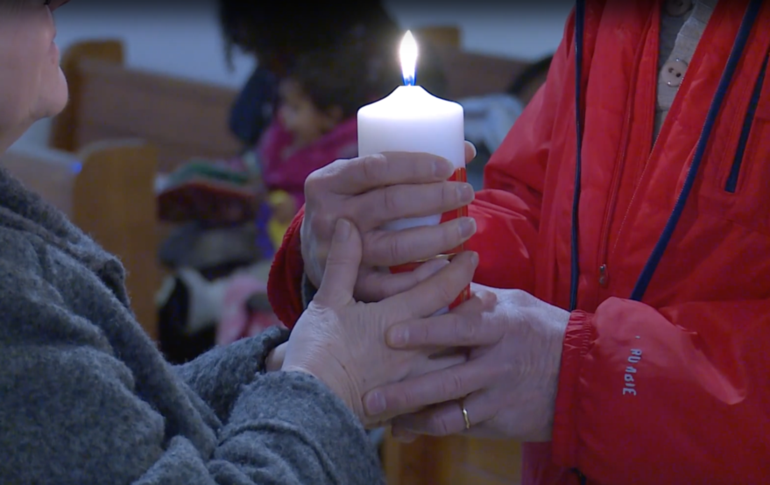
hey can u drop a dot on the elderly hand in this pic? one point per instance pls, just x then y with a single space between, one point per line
507 386
342 342
373 190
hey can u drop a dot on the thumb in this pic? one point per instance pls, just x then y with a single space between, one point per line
342 264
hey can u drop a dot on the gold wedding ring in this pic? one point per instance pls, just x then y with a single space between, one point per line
465 415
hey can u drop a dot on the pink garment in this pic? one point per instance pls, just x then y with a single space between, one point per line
289 174
236 322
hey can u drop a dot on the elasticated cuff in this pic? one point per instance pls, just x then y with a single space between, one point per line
577 339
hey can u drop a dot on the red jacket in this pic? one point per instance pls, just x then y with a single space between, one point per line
671 386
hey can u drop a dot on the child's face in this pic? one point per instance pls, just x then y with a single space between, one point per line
300 116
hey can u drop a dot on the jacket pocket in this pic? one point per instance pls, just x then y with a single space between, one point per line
738 188
748 122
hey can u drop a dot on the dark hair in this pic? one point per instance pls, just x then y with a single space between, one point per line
353 74
280 32
335 78
532 72
269 29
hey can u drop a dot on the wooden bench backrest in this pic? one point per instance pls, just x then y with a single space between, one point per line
182 119
469 73
107 190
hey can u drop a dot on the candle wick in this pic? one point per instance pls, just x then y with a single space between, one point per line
409 81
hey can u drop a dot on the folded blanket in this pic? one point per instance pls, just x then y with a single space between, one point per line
216 192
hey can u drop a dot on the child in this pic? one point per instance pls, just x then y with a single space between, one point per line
276 34
315 125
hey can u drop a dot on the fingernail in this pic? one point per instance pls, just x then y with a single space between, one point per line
465 193
443 169
374 402
342 231
475 152
467 227
398 336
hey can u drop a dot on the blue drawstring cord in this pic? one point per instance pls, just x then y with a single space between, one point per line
748 121
580 11
700 150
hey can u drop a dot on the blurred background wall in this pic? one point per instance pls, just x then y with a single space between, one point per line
183 39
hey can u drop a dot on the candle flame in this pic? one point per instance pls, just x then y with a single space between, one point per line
408 54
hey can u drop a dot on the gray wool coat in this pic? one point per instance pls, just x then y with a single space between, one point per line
86 398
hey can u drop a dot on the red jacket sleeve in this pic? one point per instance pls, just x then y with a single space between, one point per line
640 389
507 211
284 286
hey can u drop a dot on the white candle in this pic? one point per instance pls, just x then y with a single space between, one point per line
412 120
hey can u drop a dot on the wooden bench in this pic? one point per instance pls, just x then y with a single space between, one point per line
107 191
182 119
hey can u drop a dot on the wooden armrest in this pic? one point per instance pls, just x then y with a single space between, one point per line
48 172
108 191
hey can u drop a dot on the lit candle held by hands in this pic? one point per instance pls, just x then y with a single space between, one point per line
412 120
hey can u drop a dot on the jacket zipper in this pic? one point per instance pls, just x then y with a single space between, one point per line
610 212
617 177
735 170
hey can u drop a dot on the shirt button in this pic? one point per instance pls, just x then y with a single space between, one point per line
677 8
673 72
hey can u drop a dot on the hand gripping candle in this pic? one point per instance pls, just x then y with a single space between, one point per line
412 120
